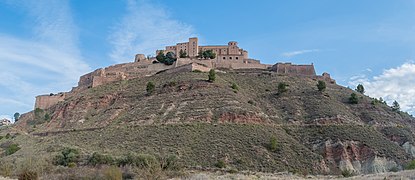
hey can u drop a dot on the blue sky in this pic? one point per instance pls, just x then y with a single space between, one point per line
46 45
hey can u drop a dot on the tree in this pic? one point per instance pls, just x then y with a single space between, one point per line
360 89
209 54
395 106
212 75
161 57
170 58
282 87
353 99
182 54
321 85
16 116
200 54
150 87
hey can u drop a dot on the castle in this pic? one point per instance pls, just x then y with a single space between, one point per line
227 57
192 49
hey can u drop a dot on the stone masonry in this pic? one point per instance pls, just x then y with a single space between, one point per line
228 57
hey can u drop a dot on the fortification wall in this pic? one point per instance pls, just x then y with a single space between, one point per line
46 101
291 69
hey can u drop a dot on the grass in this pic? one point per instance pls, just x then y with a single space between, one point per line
188 120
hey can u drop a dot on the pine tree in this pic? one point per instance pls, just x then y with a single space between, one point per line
360 89
395 106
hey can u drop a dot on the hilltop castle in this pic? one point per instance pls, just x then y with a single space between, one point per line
227 57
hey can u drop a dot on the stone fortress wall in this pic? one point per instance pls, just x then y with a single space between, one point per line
46 101
228 57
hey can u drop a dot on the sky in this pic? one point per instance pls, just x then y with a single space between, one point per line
45 45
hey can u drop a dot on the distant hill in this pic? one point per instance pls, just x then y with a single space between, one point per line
241 121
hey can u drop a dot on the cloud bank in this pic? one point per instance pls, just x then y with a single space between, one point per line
144 29
393 84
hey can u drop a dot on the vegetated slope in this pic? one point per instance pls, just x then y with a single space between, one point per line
203 123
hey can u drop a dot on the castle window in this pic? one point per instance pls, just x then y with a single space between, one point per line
230 57
224 57
236 57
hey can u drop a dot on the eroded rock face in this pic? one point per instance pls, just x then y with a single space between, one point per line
409 148
353 156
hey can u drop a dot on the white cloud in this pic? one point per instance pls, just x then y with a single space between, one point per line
144 29
296 53
48 61
393 84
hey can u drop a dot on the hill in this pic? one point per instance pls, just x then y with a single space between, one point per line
239 122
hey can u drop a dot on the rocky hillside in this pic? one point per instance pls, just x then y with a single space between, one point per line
240 120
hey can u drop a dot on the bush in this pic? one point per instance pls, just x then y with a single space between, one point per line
353 99
212 75
141 160
8 136
220 164
71 165
273 145
282 87
97 159
347 173
197 71
410 165
394 169
235 87
169 163
28 175
11 149
150 87
67 155
321 85
113 173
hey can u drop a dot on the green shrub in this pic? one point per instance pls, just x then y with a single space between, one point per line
220 164
321 85
394 169
347 173
282 87
273 145
212 75
8 136
28 175
150 87
71 164
1 137
67 155
47 117
410 165
141 160
11 149
113 173
353 99
235 86
97 159
169 163
197 71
